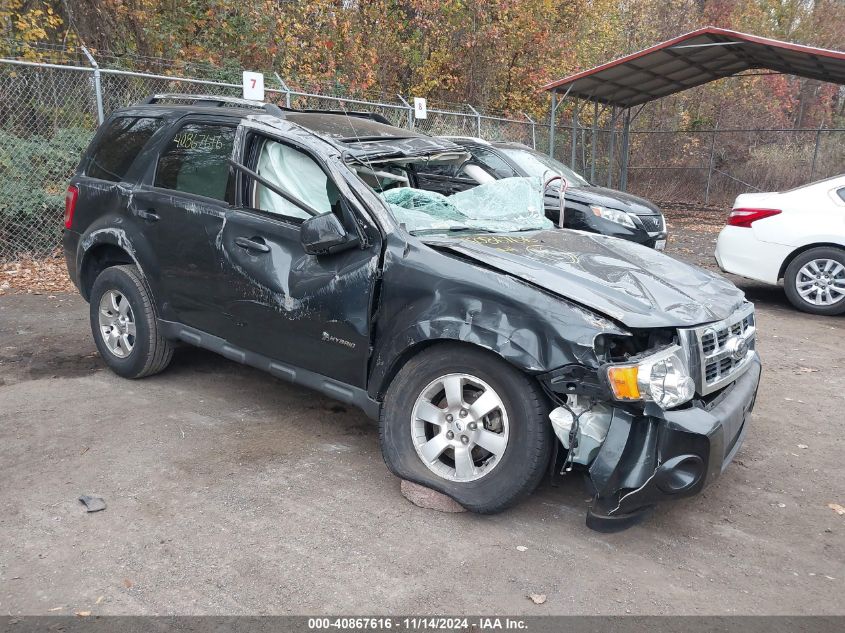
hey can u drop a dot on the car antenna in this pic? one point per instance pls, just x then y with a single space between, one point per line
369 163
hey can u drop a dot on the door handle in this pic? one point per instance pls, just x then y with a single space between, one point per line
254 244
149 216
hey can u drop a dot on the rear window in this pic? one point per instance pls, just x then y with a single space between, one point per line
120 144
196 161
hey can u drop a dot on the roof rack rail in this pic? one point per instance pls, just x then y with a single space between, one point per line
215 100
361 114
269 108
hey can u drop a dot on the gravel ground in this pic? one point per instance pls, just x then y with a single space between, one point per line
230 492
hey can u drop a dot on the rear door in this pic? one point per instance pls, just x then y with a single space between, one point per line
182 207
307 310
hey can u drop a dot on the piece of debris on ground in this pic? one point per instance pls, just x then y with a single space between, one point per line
93 504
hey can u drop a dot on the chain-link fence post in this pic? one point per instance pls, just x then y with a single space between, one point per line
533 130
98 89
411 116
477 120
285 89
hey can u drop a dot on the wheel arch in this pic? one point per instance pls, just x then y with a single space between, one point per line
383 374
803 249
96 259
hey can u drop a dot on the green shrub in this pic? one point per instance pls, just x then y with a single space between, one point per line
34 173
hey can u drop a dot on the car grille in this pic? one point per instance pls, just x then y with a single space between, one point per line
720 352
652 223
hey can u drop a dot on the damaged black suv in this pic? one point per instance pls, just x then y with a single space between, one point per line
491 348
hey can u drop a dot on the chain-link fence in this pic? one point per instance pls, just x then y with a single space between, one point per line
708 167
49 112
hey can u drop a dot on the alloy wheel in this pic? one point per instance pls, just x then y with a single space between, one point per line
821 282
117 323
459 427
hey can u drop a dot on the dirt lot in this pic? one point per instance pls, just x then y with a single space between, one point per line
229 491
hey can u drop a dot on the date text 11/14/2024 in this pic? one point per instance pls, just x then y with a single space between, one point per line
417 623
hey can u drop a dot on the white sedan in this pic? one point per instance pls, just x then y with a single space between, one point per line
797 236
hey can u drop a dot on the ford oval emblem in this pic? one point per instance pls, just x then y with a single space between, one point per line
737 347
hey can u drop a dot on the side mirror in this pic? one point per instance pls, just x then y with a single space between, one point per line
323 234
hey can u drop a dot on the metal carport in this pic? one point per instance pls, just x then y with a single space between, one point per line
690 60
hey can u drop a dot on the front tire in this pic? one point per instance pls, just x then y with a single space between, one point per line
815 281
124 326
462 421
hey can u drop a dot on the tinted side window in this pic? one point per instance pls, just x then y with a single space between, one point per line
494 163
841 193
117 148
195 161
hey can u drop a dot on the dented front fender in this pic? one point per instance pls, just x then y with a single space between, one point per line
431 295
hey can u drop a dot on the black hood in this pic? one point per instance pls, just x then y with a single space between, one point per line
610 198
635 285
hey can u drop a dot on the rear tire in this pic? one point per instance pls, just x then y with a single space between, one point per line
815 281
486 462
124 326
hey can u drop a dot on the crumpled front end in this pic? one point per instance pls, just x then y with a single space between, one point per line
636 454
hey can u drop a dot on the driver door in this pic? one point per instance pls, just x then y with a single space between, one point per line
311 311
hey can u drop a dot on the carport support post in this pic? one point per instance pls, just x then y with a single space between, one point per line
710 166
626 142
593 142
574 132
552 117
816 151
610 151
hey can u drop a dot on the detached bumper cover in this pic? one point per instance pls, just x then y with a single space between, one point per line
671 454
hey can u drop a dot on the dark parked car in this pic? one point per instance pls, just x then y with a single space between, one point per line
489 347
588 207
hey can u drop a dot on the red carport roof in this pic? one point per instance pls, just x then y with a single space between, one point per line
696 58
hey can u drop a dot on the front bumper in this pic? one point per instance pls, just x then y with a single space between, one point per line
668 454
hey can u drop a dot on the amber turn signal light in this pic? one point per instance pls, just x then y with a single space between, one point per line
623 381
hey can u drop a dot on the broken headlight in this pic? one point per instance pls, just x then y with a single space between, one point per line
662 378
620 217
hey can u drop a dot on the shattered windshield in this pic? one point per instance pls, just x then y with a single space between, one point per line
502 206
539 165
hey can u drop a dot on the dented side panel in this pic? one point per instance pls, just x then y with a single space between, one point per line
309 311
428 295
185 240
100 209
